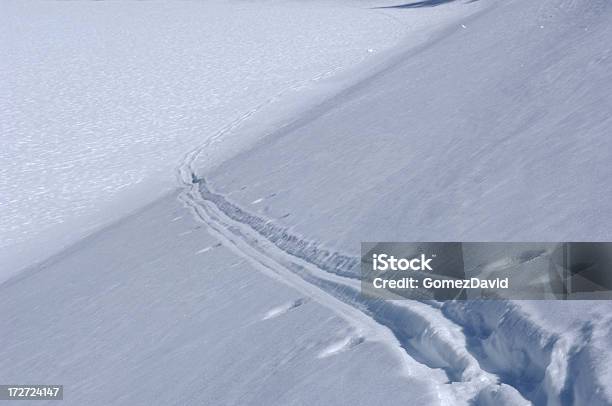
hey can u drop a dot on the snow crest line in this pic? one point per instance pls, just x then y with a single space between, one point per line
187 168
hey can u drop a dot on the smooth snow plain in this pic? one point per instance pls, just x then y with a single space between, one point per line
489 121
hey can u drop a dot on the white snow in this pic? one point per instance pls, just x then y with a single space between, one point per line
151 323
282 309
100 99
489 120
456 141
499 132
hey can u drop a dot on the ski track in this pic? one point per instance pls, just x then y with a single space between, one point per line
426 336
423 338
419 333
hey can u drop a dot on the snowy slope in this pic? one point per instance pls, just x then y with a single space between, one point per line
154 311
496 129
100 99
488 122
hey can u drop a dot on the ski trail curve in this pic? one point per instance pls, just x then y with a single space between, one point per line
420 335
186 169
425 341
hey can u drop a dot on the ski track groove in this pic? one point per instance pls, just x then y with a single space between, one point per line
419 333
331 279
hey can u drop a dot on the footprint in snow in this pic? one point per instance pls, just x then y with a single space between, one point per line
261 199
210 247
284 308
345 344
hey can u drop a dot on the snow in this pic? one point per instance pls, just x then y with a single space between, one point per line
100 100
495 132
489 120
149 322
498 132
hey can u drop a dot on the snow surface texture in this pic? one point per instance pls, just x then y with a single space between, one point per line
491 126
99 100
497 129
135 316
